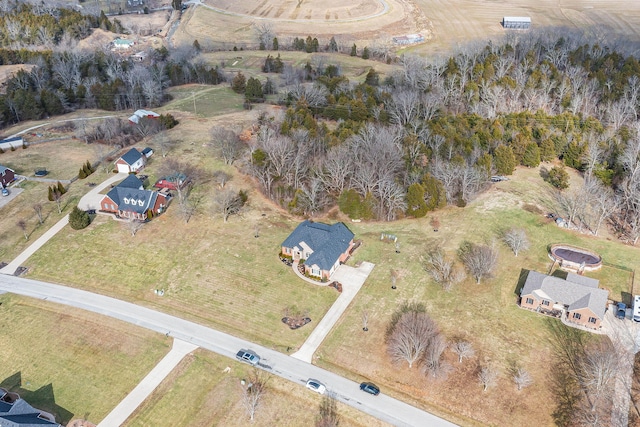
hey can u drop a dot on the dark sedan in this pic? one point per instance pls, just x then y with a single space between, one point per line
370 388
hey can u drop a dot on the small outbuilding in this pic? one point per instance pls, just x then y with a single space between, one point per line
7 176
131 161
516 22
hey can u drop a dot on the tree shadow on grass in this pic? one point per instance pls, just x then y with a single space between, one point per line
42 398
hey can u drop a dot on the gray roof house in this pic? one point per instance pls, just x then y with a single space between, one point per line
15 412
131 161
576 296
129 199
322 247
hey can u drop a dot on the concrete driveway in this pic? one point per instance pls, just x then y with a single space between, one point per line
352 280
13 193
92 199
625 336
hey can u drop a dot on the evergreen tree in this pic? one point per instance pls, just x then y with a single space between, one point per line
82 174
558 177
434 193
333 45
61 188
176 4
547 150
276 45
239 83
504 160
50 195
365 53
196 45
372 79
253 91
89 167
531 156
416 206
572 155
354 50
79 219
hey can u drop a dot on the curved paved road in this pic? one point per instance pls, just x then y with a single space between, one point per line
382 407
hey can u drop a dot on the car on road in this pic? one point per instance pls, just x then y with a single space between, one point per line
621 310
248 356
5 192
315 385
370 388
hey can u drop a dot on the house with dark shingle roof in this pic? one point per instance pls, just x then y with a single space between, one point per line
15 412
129 199
322 247
131 161
7 176
576 297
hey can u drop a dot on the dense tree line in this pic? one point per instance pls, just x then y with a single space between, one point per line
458 120
65 81
40 24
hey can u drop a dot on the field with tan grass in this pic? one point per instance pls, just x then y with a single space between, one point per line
72 363
209 396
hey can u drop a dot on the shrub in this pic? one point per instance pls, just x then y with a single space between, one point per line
558 177
79 219
82 174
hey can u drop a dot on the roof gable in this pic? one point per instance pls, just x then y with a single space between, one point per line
132 199
131 156
132 181
327 242
575 295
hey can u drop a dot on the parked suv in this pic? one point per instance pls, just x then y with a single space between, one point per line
248 356
621 310
5 192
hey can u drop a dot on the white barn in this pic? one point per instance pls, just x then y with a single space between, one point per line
516 22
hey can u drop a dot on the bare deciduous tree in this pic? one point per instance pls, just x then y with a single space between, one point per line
226 144
522 378
226 203
411 337
516 239
432 363
487 376
254 392
133 226
463 349
442 270
22 225
185 176
327 412
37 207
221 178
480 260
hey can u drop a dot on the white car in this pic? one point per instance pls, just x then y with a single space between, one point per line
5 192
317 386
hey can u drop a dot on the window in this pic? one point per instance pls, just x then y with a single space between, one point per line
592 320
577 316
529 301
545 302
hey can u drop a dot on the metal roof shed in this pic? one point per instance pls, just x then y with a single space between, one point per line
516 22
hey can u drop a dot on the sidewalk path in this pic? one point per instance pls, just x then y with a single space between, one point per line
20 259
86 200
149 383
352 280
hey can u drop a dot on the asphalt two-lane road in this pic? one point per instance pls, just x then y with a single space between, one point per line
382 407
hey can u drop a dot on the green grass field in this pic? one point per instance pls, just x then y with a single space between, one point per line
72 363
209 100
208 396
503 335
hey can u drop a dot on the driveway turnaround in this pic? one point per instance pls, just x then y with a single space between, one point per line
92 199
144 389
352 280
382 407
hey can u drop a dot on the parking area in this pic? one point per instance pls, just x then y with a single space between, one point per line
13 193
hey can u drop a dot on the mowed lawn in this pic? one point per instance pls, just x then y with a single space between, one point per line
69 362
214 273
63 159
503 335
199 393
203 100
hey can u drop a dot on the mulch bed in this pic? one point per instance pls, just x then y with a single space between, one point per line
296 322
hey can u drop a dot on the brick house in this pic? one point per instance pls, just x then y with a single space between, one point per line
7 176
576 297
129 199
131 161
323 247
